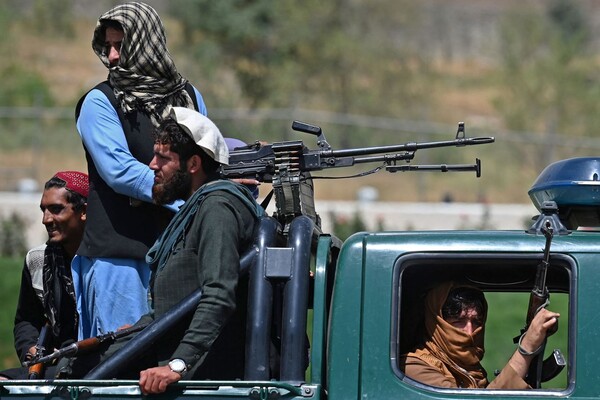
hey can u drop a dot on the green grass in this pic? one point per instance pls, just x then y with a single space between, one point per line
10 270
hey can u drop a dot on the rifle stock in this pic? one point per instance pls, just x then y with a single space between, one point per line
83 346
36 371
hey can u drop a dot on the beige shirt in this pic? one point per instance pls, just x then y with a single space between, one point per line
422 366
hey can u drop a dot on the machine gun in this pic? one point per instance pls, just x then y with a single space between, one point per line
288 166
541 370
36 370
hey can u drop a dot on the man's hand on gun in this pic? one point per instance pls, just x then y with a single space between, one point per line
543 324
247 181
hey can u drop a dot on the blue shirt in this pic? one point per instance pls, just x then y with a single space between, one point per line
102 134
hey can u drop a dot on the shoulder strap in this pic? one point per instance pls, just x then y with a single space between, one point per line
180 222
190 89
236 189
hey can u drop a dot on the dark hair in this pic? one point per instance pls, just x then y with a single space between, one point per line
462 298
77 200
169 132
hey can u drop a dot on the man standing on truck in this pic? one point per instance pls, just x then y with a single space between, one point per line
200 248
452 347
115 121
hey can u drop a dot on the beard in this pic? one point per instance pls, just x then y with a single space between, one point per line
175 188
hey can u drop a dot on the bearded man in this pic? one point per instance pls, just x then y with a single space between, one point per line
200 248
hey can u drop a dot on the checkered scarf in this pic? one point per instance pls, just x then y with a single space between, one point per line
146 78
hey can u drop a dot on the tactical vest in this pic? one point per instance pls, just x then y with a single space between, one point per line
118 226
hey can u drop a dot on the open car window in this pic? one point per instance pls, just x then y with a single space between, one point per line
507 281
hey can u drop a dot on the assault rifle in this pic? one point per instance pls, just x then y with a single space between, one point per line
288 165
36 370
541 370
83 346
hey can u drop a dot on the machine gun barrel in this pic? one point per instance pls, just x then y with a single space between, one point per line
406 147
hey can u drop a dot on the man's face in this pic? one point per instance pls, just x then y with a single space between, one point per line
172 181
63 224
113 38
468 320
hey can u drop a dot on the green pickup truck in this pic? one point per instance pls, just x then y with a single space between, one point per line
342 328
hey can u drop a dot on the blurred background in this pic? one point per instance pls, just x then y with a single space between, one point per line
368 73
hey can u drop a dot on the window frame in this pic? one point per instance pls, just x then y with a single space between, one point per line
562 278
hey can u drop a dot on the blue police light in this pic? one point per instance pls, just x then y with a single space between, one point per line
574 185
571 182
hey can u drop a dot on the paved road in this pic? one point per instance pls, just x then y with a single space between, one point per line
392 216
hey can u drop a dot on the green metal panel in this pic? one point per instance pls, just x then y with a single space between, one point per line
344 327
587 313
320 313
127 389
380 252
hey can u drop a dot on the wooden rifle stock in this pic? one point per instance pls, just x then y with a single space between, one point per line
84 346
36 371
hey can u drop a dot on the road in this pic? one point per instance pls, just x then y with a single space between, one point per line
392 216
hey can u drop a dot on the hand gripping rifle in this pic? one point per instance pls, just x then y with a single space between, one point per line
288 165
541 370
83 346
36 370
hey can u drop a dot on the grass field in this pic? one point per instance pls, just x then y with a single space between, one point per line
506 317
10 270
